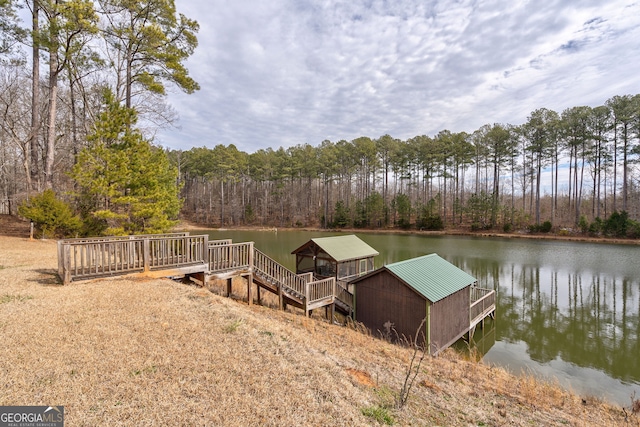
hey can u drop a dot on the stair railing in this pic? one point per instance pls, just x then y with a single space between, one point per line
270 269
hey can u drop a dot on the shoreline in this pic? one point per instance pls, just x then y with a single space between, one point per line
14 226
185 225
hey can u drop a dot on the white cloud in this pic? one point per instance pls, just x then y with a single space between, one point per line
286 72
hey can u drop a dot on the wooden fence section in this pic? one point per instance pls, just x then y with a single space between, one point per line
122 238
483 303
88 258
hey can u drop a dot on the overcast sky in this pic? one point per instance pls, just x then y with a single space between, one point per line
285 72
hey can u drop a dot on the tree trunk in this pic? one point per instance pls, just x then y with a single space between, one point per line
51 123
538 173
625 167
221 203
615 165
32 170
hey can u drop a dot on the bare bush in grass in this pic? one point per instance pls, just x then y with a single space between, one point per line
417 356
635 404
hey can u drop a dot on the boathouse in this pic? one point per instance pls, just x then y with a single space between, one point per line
397 297
343 257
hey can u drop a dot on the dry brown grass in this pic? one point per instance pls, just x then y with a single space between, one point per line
127 351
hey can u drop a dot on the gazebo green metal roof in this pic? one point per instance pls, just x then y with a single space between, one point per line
345 248
431 276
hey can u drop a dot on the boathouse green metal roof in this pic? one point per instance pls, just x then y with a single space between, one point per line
345 248
431 276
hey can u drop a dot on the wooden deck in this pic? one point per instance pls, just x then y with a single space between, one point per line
178 254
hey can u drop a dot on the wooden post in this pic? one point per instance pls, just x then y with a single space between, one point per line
60 260
229 283
251 261
258 291
205 253
306 299
66 267
335 297
280 298
146 255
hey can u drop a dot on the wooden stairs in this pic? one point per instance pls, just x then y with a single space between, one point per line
299 290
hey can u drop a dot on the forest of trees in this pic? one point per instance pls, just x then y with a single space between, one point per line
565 169
79 65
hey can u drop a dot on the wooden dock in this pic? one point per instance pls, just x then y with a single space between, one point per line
179 254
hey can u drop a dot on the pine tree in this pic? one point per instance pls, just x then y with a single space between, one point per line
126 184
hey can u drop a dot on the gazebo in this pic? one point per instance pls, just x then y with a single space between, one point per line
342 257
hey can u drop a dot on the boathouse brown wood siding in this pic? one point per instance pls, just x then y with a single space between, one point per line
450 319
384 298
406 292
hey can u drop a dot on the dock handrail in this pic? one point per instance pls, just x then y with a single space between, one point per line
229 256
343 295
105 256
220 242
320 289
100 239
170 251
308 277
121 238
483 301
271 269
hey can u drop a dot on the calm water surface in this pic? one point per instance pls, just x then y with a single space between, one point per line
565 310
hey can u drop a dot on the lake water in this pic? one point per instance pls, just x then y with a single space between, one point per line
565 310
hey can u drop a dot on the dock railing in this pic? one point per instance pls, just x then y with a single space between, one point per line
94 240
343 295
106 256
173 252
483 302
224 256
320 290
307 277
273 270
